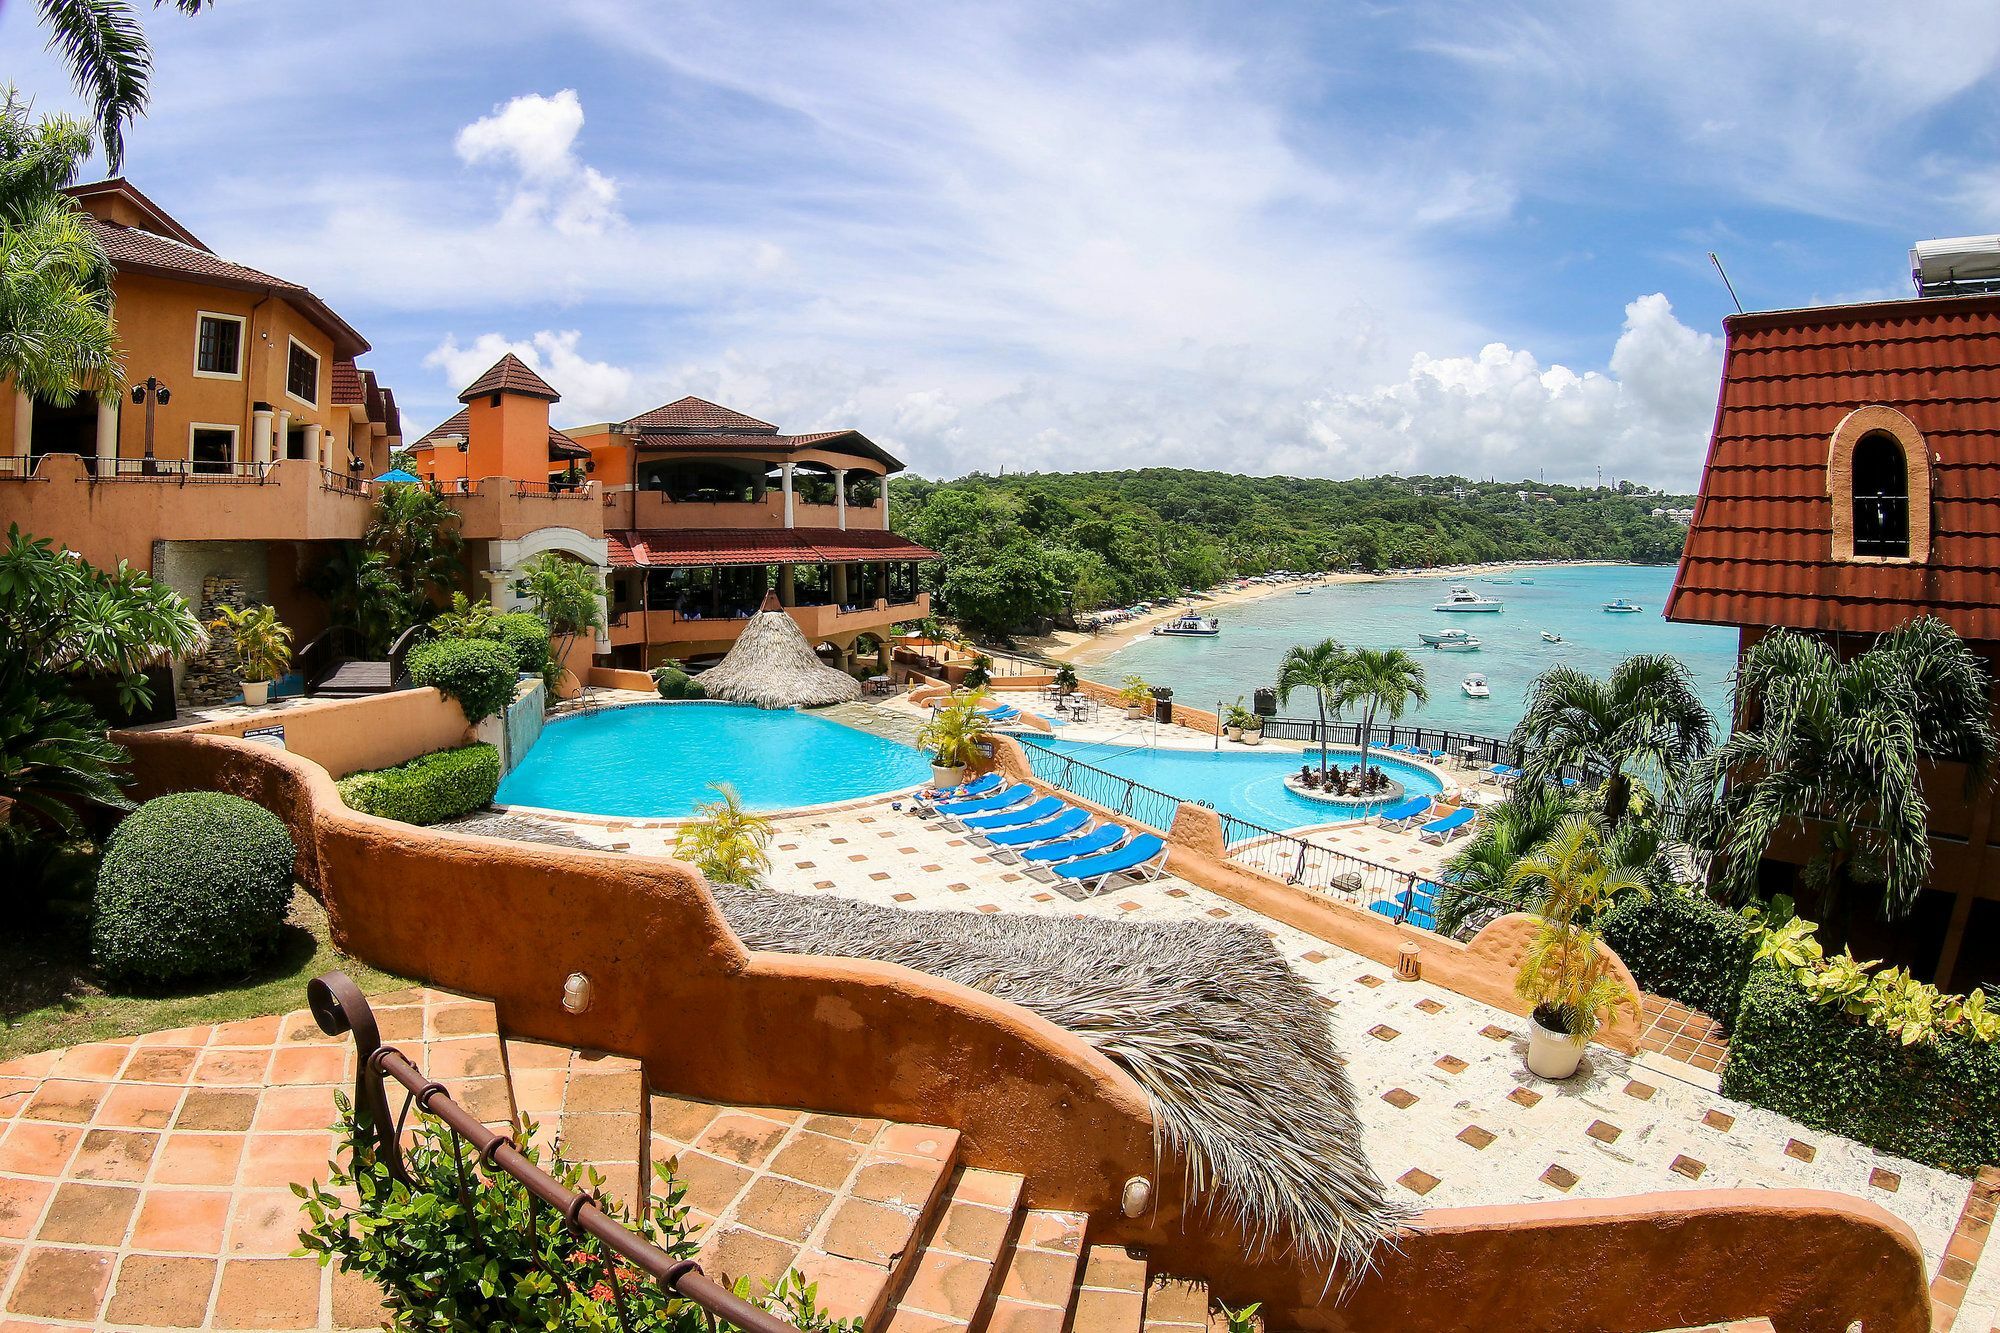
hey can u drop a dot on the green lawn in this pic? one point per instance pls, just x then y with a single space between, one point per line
50 995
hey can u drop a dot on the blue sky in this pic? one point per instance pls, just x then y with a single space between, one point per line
1327 239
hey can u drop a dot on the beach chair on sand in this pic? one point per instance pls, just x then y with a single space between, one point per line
1145 856
1442 831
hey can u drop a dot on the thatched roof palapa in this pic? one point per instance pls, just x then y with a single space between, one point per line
771 665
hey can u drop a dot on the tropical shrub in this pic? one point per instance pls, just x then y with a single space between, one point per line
724 841
1644 724
416 532
568 595
528 635
1914 1011
261 643
465 1248
957 733
429 789
1065 681
1936 1101
674 683
980 674
479 673
193 884
1563 974
1134 692
1682 944
465 619
1388 679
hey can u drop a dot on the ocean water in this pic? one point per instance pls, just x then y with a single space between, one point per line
1388 613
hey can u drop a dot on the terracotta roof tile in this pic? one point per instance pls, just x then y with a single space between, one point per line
1760 549
696 414
658 547
510 374
347 383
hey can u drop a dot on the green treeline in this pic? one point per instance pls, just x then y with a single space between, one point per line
1018 547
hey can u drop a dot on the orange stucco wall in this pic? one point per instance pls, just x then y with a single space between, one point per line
508 440
398 726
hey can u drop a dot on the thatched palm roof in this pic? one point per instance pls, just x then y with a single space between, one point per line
771 665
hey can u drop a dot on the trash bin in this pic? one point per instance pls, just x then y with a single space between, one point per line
1265 703
1163 703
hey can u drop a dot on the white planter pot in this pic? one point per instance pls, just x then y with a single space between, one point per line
1138 712
1234 733
943 779
1253 737
256 693
1552 1054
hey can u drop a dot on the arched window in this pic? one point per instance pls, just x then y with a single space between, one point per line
1878 476
1881 497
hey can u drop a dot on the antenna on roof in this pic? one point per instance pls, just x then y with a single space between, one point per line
1726 282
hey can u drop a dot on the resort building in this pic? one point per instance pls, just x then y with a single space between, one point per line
1852 484
701 511
240 453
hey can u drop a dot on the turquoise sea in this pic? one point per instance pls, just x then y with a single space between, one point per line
1386 613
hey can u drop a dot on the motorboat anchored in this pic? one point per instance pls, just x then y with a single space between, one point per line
1432 638
1475 687
1469 644
1464 599
1621 607
1190 626
1550 636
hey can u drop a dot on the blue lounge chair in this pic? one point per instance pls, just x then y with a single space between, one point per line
1444 830
1032 813
1502 774
982 785
1071 820
1102 838
1404 813
1422 908
1145 855
987 805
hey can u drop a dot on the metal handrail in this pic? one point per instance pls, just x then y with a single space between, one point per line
339 1007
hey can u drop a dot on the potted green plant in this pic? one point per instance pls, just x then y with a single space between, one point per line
261 644
953 737
1565 973
1136 696
980 675
1237 720
1065 679
1253 730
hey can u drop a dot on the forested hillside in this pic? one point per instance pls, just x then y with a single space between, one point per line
1020 546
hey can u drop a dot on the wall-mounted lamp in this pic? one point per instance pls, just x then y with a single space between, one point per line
1137 1197
576 993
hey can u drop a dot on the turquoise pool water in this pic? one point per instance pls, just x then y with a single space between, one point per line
655 761
1247 783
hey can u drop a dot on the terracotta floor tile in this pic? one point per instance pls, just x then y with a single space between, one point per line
680 1119
66 1101
181 1222
208 1108
357 1302
114 1154
97 1060
888 1180
782 1208
161 1292
282 1109
198 1159
264 1222
62 1284
948 1285
1011 1316
712 1184
285 1159
871 1232
248 1032
298 1066
733 1252
747 1140
848 1289
268 1293
21 1200
139 1106
919 1141
973 1229
226 1067
817 1159
1039 1278
161 1064
81 1214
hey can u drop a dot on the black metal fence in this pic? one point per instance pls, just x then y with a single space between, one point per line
1108 791
1463 746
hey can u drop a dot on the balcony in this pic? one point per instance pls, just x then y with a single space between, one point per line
653 509
632 625
117 508
506 508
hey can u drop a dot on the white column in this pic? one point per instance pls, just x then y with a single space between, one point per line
107 435
318 446
840 584
840 498
282 442
24 428
260 435
787 482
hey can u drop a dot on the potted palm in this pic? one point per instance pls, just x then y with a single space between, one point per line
261 644
1065 679
1136 696
1565 974
953 737
1253 730
1237 720
981 673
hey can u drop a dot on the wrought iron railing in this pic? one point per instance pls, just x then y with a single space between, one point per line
1108 791
1463 746
344 482
339 1007
183 471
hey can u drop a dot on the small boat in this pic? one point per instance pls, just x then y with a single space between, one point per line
1621 607
1190 626
1524 580
1464 599
1475 686
1432 638
1469 644
1499 580
1302 592
1548 637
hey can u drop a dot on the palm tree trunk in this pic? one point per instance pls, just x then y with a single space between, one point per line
1322 738
1367 733
1617 798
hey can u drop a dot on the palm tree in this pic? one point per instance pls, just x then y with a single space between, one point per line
56 336
1562 974
568 595
725 841
416 530
1321 668
1841 748
1385 678
109 62
1646 720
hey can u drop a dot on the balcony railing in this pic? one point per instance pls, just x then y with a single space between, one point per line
181 470
339 1007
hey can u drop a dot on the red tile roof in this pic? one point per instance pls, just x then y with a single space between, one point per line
510 374
562 446
849 442
696 414
658 547
347 385
1760 549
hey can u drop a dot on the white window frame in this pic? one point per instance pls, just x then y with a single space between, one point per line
319 372
235 439
242 324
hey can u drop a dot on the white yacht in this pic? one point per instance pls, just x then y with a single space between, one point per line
1464 599
1190 626
1475 686
1621 607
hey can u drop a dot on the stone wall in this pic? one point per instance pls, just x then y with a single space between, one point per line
212 575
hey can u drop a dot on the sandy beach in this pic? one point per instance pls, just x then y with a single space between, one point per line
1083 649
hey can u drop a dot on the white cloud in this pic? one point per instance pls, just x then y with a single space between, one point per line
591 390
535 136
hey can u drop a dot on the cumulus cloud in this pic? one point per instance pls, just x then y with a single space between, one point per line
534 138
591 390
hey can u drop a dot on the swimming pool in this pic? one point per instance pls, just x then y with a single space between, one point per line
1247 783
655 761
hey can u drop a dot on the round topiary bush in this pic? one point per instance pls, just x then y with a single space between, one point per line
528 635
479 673
192 884
675 683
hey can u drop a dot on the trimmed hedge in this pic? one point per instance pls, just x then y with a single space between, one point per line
479 673
429 789
192 884
1683 946
675 683
528 636
1938 1104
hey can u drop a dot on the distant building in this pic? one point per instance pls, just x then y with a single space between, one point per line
1684 517
1852 484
